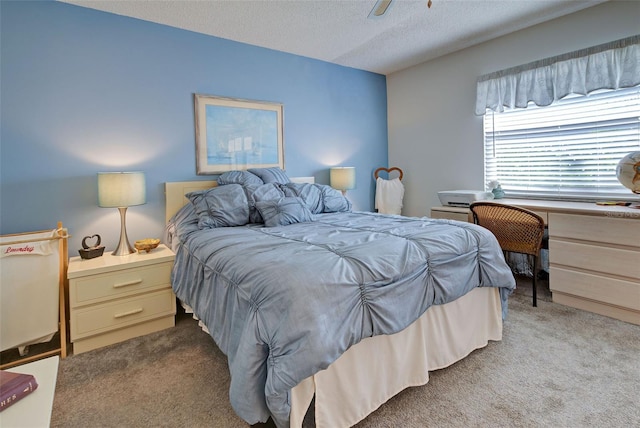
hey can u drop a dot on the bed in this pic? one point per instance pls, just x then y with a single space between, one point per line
301 304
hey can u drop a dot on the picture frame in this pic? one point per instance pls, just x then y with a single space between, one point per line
237 134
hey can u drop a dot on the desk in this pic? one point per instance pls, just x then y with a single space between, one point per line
594 254
452 213
33 410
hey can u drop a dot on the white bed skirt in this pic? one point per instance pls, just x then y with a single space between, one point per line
377 368
347 392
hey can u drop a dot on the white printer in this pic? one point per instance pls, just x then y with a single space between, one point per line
462 198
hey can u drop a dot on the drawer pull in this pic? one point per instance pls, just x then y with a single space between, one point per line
126 314
126 284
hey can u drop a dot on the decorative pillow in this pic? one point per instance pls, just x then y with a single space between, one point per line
267 192
220 206
271 175
284 211
261 193
182 222
308 192
249 183
334 201
239 177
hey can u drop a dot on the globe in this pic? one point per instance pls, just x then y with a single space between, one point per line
628 172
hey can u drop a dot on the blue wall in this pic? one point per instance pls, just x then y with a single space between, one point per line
84 91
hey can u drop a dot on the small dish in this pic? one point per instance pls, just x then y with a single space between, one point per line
147 244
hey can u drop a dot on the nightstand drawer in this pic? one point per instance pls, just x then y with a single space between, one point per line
106 286
121 313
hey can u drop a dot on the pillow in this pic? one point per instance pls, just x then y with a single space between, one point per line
182 222
308 192
334 201
239 177
284 211
261 193
271 175
185 215
266 192
220 206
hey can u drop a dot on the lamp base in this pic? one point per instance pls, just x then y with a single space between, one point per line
124 248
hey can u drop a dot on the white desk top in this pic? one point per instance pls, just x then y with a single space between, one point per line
33 410
589 208
108 263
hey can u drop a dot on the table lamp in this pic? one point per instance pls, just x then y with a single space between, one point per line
343 178
121 190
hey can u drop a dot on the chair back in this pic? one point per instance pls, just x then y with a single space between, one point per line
518 230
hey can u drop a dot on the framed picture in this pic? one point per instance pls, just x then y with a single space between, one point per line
235 134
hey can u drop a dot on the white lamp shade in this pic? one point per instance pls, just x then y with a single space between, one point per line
343 177
121 189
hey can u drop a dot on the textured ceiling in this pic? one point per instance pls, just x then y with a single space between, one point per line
339 31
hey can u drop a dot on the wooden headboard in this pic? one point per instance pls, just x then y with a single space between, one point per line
175 192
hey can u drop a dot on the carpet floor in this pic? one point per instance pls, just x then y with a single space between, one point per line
555 367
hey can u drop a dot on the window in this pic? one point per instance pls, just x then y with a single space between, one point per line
567 150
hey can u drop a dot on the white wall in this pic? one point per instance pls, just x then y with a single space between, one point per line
434 135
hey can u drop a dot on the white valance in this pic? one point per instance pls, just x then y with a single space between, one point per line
613 65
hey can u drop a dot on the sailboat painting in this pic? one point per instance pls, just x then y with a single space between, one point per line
234 134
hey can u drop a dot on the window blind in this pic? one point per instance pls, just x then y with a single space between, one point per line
568 150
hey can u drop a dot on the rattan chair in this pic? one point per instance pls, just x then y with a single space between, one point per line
518 230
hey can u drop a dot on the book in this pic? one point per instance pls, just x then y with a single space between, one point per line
14 387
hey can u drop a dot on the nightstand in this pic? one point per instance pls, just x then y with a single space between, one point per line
115 298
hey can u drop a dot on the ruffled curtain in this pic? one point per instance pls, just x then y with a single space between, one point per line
613 65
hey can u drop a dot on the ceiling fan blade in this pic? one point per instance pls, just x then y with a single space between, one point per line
380 8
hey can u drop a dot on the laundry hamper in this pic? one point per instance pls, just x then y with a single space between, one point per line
32 278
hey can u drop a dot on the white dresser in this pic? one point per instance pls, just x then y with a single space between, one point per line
115 298
594 263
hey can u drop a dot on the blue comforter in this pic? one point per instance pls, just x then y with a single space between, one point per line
285 302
